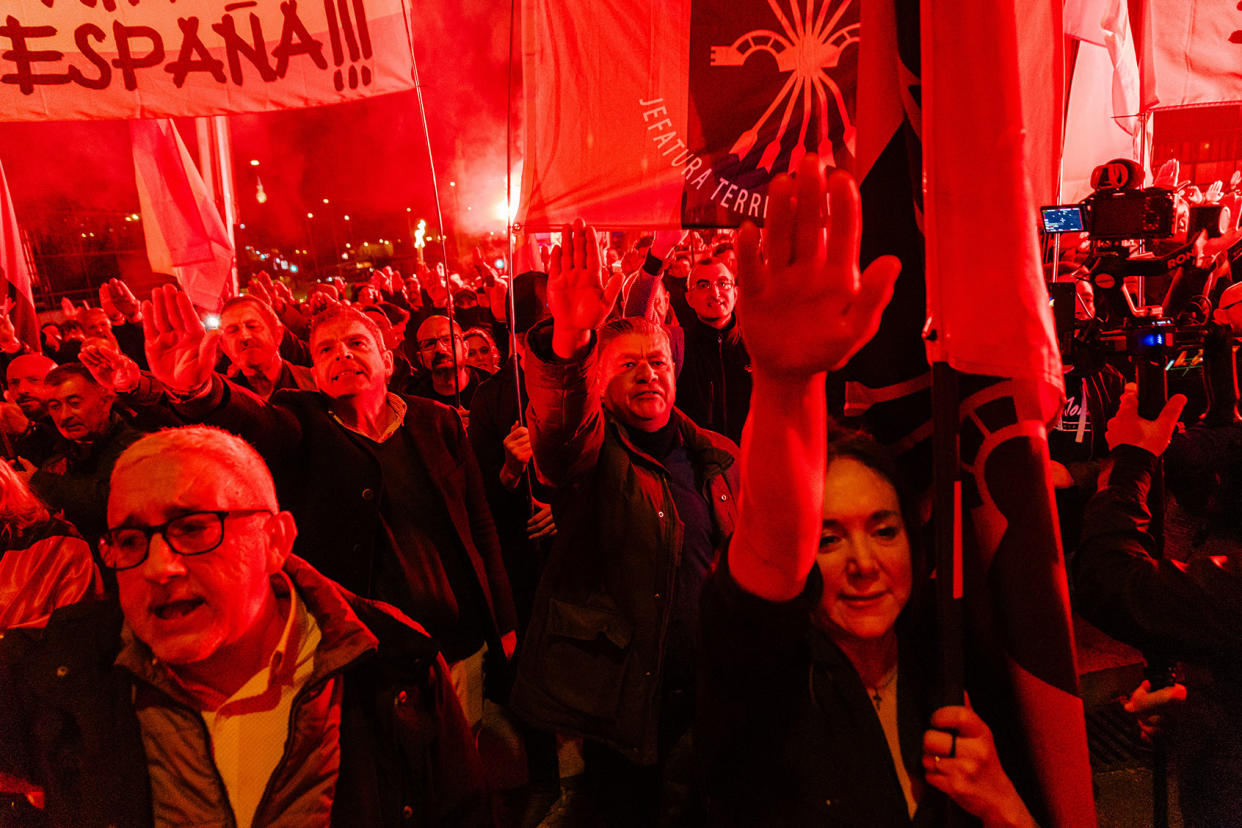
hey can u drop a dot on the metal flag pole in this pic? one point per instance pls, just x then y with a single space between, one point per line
435 190
512 300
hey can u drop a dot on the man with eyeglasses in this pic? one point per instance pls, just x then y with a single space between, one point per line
713 388
235 685
441 358
385 487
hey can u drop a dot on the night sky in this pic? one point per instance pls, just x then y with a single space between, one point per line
368 158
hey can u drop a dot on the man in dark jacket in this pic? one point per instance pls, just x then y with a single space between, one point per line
74 480
714 386
386 485
250 335
643 502
1190 612
23 415
243 688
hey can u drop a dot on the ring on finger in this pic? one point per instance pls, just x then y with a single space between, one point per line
936 759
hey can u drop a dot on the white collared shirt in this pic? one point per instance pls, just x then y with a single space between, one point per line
248 731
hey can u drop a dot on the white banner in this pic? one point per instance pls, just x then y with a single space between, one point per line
86 59
1192 52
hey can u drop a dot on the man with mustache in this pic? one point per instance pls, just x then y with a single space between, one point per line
74 480
250 336
436 353
386 485
231 683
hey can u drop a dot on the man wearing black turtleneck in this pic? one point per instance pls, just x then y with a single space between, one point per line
643 500
714 386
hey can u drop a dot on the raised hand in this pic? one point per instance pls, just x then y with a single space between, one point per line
664 241
436 284
495 286
282 295
804 308
111 368
261 287
121 299
8 333
68 309
579 296
1127 427
323 301
181 353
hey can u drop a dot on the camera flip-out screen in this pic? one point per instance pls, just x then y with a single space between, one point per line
1062 219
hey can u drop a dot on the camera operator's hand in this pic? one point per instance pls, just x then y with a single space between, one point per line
1129 429
1149 707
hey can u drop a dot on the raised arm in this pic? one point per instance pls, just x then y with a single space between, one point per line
182 354
579 298
566 425
805 310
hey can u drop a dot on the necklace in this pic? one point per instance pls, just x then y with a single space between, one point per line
877 692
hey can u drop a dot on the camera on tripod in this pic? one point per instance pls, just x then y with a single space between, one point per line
1120 209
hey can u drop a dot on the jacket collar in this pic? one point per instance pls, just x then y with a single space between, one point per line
705 455
345 638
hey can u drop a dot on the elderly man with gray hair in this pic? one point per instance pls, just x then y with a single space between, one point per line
234 684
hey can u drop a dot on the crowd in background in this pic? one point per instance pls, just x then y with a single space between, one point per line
400 568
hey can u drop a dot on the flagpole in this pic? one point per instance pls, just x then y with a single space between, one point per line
435 190
512 300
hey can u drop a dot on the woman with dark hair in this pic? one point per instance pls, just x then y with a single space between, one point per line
814 704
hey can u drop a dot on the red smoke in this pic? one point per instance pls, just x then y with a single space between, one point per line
368 158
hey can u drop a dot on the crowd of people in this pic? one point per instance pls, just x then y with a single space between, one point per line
291 569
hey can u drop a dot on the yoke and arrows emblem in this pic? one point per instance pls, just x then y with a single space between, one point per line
810 46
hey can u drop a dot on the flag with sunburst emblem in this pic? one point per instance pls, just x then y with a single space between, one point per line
697 106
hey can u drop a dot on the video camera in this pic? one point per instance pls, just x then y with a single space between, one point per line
1119 210
1121 218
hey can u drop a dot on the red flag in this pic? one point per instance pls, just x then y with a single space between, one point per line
15 272
698 104
989 317
185 235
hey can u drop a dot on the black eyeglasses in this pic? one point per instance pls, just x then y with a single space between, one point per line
430 344
723 285
195 533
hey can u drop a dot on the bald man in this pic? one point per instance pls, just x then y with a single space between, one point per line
436 351
23 414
